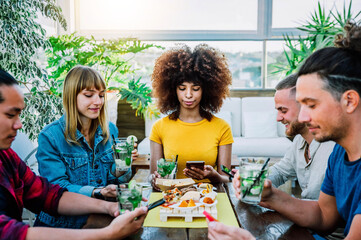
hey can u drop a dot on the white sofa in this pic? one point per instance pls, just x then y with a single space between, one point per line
255 130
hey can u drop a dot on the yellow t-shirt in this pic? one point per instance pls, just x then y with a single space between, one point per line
191 141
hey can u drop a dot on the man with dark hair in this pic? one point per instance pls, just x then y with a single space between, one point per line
20 187
329 90
6 79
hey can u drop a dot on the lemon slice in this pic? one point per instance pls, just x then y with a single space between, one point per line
131 139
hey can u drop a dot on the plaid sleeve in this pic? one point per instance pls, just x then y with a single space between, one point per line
39 194
12 229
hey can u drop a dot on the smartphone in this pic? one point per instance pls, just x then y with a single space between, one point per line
156 204
227 171
196 164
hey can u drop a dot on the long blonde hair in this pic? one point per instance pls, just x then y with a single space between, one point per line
78 79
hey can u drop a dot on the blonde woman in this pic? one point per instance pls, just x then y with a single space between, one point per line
76 150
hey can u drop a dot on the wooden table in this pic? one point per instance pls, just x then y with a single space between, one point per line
261 222
264 223
142 162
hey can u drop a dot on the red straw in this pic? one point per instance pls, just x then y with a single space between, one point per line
209 216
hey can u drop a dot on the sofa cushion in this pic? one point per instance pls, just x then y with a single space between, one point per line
260 147
260 124
234 106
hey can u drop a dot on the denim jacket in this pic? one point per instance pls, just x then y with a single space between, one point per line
79 168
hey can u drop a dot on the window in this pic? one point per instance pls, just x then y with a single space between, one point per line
165 15
275 56
250 33
298 11
244 60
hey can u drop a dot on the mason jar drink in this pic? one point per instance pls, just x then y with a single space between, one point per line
167 168
129 197
252 180
123 154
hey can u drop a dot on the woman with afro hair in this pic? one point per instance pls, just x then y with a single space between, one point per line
189 87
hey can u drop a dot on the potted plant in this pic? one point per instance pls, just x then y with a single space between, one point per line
110 57
320 31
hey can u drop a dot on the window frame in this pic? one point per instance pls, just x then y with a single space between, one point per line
264 33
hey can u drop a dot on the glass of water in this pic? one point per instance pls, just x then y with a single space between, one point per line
129 197
252 179
167 168
123 154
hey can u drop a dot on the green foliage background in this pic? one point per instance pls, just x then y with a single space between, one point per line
320 29
20 39
110 57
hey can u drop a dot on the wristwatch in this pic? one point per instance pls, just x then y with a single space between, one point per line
97 193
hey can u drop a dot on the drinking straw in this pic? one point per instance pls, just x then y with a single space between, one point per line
176 166
257 178
114 148
209 216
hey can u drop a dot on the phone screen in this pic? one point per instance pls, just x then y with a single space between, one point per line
196 164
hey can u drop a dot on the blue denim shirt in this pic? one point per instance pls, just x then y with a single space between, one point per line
79 168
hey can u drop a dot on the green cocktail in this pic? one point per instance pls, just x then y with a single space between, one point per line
166 168
129 197
252 178
123 153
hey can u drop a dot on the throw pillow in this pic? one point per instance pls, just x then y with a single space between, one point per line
260 124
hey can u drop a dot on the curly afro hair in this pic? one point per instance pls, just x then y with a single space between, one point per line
205 66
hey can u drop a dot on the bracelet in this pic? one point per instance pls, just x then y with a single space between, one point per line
97 193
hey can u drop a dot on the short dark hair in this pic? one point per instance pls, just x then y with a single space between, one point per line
339 67
6 79
288 83
204 66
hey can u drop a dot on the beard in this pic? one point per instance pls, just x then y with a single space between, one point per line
296 128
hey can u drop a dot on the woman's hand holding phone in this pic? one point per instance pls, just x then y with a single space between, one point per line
198 173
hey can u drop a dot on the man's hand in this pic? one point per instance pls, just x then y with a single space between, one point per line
267 194
199 174
113 209
127 223
217 230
